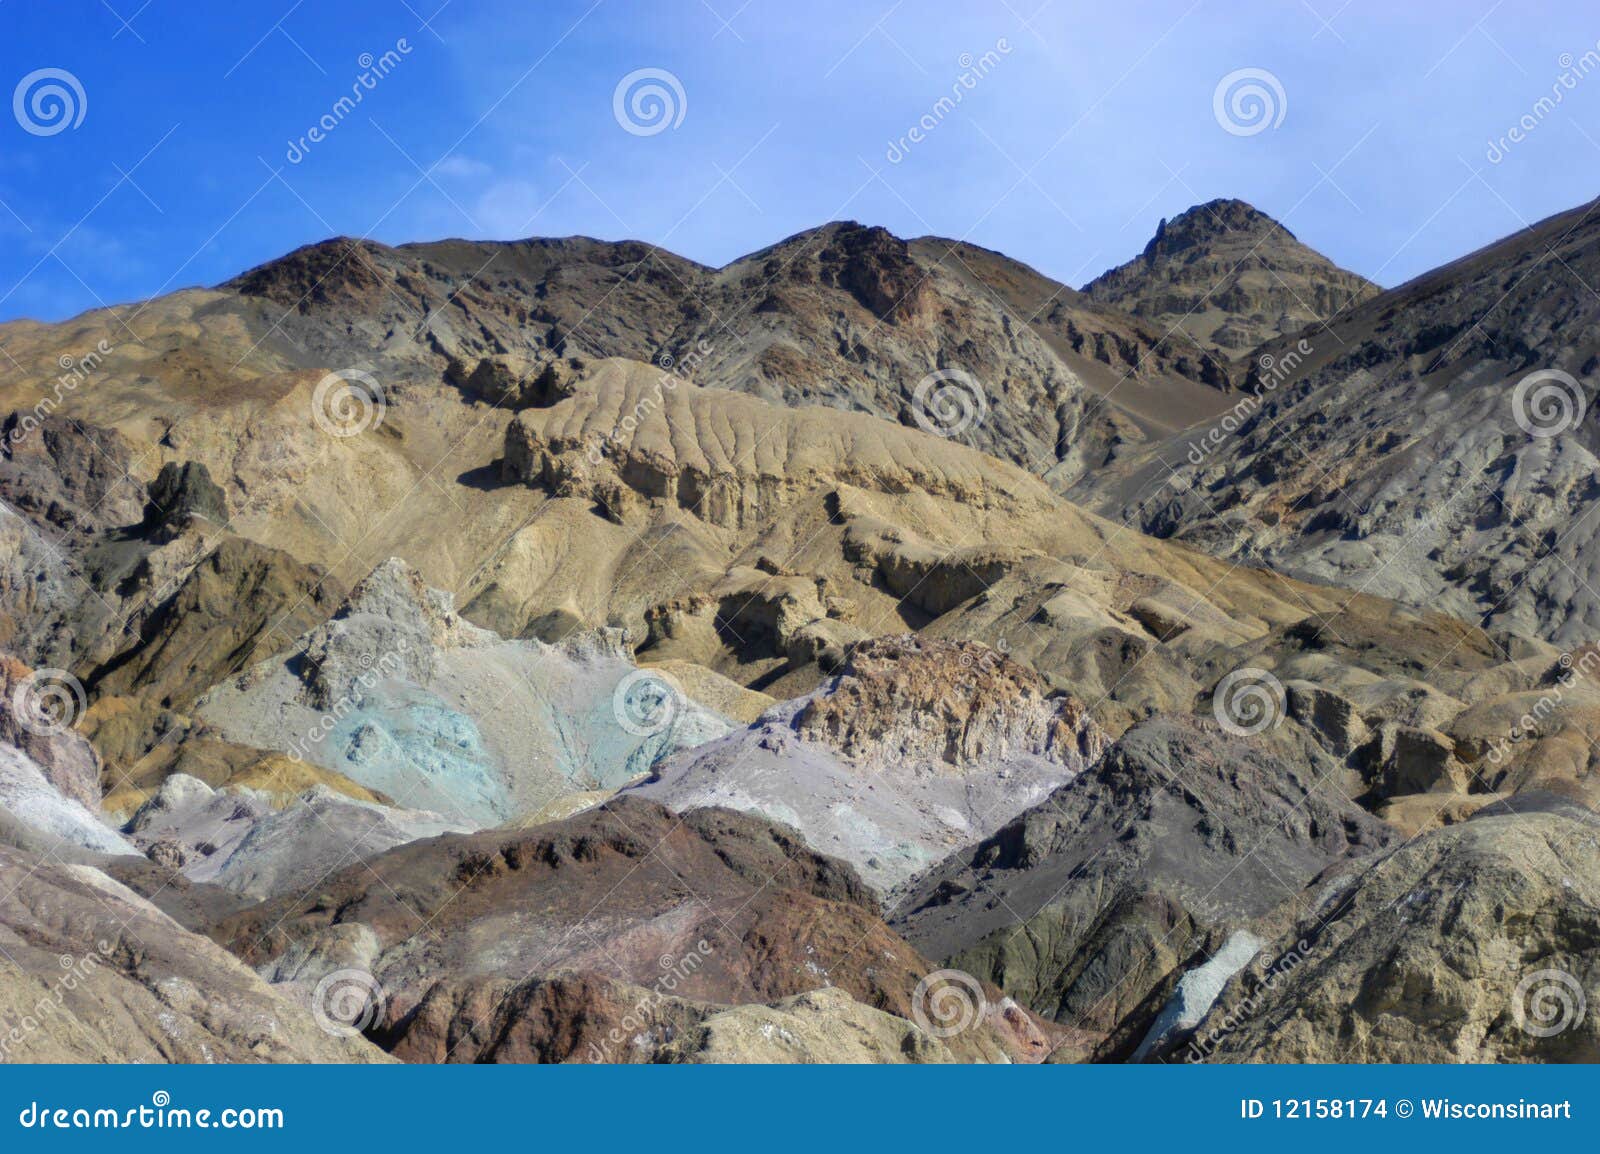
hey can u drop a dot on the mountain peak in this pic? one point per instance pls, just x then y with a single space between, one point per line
1209 221
1230 276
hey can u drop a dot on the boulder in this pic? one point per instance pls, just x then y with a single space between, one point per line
181 493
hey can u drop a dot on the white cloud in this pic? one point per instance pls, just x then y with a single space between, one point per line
461 167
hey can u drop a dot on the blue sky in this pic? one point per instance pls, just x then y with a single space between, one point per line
1090 122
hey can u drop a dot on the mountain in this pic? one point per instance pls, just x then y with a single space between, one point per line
1430 445
844 315
441 636
1232 278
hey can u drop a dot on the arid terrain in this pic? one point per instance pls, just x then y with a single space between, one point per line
868 651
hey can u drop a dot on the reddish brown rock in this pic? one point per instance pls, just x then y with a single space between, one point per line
729 909
906 697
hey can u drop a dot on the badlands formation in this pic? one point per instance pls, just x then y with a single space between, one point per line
868 651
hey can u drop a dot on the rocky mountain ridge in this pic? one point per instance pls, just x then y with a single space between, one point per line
1429 446
562 651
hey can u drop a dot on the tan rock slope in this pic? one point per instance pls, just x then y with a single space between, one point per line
588 1018
1472 944
710 527
95 973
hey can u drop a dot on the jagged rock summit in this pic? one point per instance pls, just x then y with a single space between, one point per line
1231 277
